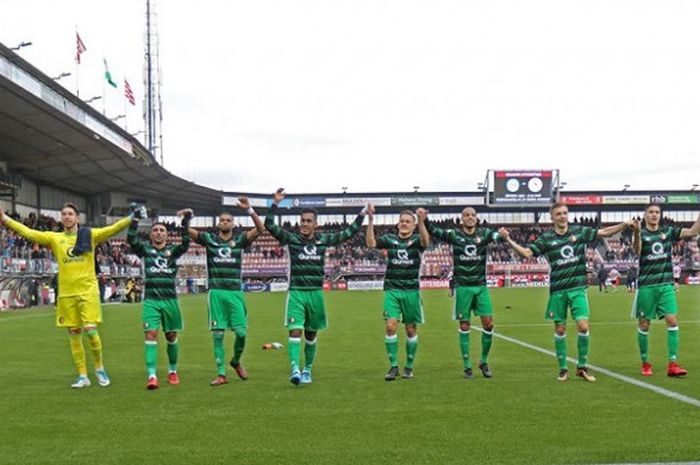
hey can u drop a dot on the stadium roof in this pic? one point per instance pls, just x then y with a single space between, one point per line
49 135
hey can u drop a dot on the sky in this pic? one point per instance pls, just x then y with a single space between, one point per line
384 95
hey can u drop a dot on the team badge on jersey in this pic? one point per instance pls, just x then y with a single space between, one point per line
662 236
477 240
572 239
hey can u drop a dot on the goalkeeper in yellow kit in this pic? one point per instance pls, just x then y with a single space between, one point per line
78 306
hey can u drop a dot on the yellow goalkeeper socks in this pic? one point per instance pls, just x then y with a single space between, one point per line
78 352
95 346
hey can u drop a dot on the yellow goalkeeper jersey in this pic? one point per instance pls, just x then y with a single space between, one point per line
76 274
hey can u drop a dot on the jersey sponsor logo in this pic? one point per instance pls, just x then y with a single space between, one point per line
161 266
402 258
71 257
567 251
224 252
470 253
657 252
224 256
309 253
568 256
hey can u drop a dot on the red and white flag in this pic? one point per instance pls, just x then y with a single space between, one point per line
80 47
128 93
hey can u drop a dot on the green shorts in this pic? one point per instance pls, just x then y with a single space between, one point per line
652 302
227 310
561 301
305 310
165 314
405 306
470 299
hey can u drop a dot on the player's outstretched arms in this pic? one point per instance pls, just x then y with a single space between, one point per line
370 240
422 214
692 231
259 228
612 230
522 251
187 214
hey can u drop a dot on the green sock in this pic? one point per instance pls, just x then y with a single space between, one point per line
583 342
560 349
411 349
150 352
238 346
309 354
643 341
672 337
464 347
294 344
219 352
392 349
486 341
173 353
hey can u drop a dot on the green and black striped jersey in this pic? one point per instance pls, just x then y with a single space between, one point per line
469 252
566 254
403 261
159 265
307 257
224 260
655 261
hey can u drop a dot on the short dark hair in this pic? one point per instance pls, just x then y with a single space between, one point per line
72 206
225 213
407 212
556 205
652 204
310 210
159 223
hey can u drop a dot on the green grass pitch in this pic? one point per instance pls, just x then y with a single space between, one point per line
350 415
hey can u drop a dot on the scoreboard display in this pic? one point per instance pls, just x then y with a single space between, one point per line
524 187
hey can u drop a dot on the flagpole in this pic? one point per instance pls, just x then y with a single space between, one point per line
77 66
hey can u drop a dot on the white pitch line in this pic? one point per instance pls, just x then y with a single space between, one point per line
626 379
593 323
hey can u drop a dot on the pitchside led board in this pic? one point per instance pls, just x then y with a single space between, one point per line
522 187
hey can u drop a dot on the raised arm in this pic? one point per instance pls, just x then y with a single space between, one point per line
180 249
40 237
132 238
278 233
370 240
636 237
438 233
189 214
612 230
422 230
102 234
692 231
259 228
350 231
522 251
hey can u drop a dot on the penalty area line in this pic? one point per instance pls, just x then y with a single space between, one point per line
625 379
